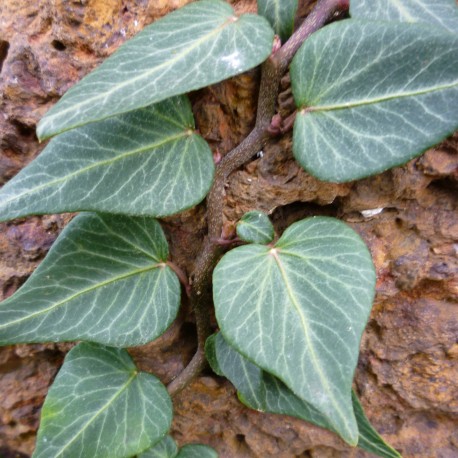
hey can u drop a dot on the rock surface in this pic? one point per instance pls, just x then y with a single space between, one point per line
408 370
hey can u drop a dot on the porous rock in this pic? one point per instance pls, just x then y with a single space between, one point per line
408 370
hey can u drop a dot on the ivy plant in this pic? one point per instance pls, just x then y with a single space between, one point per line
373 89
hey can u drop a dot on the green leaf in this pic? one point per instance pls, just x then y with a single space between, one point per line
104 280
255 227
193 47
371 96
262 391
101 406
442 13
166 448
369 439
147 162
280 14
249 379
210 353
298 310
197 451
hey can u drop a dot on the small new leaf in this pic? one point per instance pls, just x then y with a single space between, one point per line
298 310
101 406
104 280
255 227
372 95
198 45
147 162
441 13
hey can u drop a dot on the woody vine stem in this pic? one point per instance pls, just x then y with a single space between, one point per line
272 71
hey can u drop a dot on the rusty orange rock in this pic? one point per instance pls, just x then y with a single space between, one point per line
408 371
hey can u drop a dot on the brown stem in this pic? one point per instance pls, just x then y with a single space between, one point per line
323 10
181 276
226 242
198 361
272 71
189 373
200 298
243 152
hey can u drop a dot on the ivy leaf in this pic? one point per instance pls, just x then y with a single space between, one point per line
371 96
147 162
104 280
298 311
212 358
262 391
369 438
255 227
442 13
197 451
198 45
280 14
100 405
167 448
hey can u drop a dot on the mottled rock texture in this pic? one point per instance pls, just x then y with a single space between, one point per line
408 371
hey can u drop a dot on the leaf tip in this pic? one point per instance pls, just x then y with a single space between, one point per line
43 131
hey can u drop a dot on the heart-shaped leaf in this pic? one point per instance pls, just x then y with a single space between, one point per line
262 391
167 448
372 95
104 280
193 47
147 162
298 310
442 13
280 14
255 227
101 406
